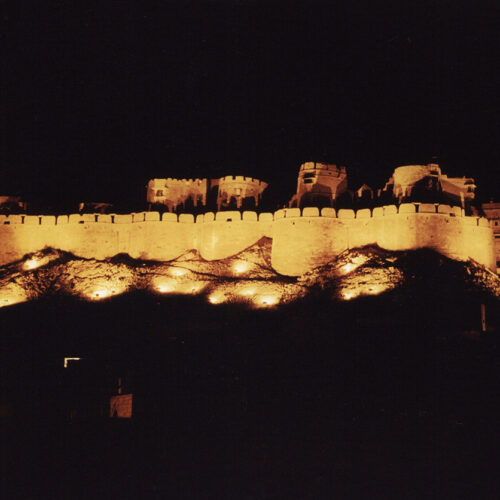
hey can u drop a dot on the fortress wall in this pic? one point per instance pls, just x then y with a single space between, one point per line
161 240
438 228
302 240
88 240
22 234
15 242
303 243
91 236
361 232
156 240
479 242
442 233
225 234
395 230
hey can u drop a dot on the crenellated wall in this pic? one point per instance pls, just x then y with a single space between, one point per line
225 234
302 241
302 238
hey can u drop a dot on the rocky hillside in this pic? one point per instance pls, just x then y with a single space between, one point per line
246 277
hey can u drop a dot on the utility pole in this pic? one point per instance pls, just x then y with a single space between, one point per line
483 317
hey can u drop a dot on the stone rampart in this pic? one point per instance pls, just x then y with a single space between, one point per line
225 234
302 238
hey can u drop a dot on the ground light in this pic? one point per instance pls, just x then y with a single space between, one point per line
266 300
348 268
365 289
177 271
33 263
169 285
354 264
216 298
164 285
240 266
105 291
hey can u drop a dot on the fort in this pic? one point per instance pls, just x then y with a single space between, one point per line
229 191
303 237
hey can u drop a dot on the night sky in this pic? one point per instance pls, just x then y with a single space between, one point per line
99 98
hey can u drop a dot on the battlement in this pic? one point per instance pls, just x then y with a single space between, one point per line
366 213
241 178
171 180
247 215
326 169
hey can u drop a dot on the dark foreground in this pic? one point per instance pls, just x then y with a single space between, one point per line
387 397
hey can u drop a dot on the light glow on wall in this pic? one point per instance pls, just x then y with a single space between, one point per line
177 271
34 263
349 294
266 300
105 291
196 286
354 264
348 267
217 298
164 285
169 285
100 293
240 267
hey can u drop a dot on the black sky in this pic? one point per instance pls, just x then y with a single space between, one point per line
97 99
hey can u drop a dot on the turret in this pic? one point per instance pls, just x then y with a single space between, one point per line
428 183
174 193
319 184
237 191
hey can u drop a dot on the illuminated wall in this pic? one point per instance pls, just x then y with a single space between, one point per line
319 183
492 212
177 192
182 193
407 178
237 189
225 234
302 239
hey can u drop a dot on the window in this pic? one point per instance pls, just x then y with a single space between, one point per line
159 192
